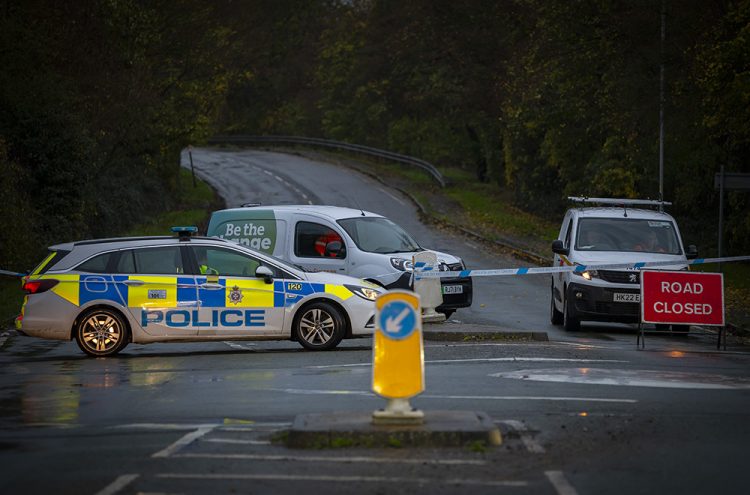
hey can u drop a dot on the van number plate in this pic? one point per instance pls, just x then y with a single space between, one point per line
453 289
631 298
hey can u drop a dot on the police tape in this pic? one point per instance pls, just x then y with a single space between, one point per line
12 274
422 270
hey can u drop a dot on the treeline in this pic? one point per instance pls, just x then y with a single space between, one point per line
97 98
544 99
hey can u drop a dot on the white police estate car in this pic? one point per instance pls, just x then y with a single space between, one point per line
107 293
611 233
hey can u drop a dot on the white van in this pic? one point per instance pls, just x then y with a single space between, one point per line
613 232
338 240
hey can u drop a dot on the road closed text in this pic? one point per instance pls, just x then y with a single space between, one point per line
682 298
683 308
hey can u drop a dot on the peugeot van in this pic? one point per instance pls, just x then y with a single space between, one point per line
611 231
338 240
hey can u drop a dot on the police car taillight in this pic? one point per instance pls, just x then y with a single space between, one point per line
37 286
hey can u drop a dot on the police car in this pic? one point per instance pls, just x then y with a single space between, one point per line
107 293
610 231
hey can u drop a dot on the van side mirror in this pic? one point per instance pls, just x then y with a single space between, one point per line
559 248
335 249
265 273
692 252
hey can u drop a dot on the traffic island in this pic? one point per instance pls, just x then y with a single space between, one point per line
357 429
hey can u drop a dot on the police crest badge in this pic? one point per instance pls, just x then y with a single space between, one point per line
235 295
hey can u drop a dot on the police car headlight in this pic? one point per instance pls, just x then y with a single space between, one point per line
363 292
401 264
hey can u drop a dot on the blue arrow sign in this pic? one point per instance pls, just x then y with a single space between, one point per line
397 320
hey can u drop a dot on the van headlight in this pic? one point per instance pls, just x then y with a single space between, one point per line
402 264
588 274
364 292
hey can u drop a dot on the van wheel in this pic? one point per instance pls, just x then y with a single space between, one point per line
570 323
319 327
555 316
101 332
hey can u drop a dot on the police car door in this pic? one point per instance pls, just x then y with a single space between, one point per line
233 301
318 246
160 296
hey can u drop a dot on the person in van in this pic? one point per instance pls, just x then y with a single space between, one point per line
651 244
321 244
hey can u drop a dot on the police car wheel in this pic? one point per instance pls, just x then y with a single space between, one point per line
101 332
319 326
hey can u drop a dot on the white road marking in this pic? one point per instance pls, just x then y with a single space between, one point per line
522 397
182 442
235 441
118 484
329 459
531 444
340 479
485 360
392 196
267 172
472 246
234 345
630 378
165 426
457 397
560 482
3 338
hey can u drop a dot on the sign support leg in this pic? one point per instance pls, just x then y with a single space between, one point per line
722 334
640 342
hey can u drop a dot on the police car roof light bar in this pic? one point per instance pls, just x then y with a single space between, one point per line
619 201
185 232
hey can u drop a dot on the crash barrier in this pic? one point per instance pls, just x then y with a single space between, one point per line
327 143
431 271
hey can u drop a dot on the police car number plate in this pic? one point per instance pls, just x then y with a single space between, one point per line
453 289
631 298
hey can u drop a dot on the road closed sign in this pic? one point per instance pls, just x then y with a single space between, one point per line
688 298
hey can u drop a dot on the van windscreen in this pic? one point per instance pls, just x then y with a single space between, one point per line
378 235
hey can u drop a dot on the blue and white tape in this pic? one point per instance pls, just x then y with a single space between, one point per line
426 271
12 274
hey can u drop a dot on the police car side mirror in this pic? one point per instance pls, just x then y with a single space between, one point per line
265 273
559 248
692 252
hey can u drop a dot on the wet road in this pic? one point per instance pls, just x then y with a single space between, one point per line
200 418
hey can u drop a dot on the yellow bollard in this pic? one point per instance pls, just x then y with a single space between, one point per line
398 356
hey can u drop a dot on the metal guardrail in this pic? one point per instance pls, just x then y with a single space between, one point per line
327 143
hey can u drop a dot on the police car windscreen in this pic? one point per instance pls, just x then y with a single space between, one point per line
378 235
627 234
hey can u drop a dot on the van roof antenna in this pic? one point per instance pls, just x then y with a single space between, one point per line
356 203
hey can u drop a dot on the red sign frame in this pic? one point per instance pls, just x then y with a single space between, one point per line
682 298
